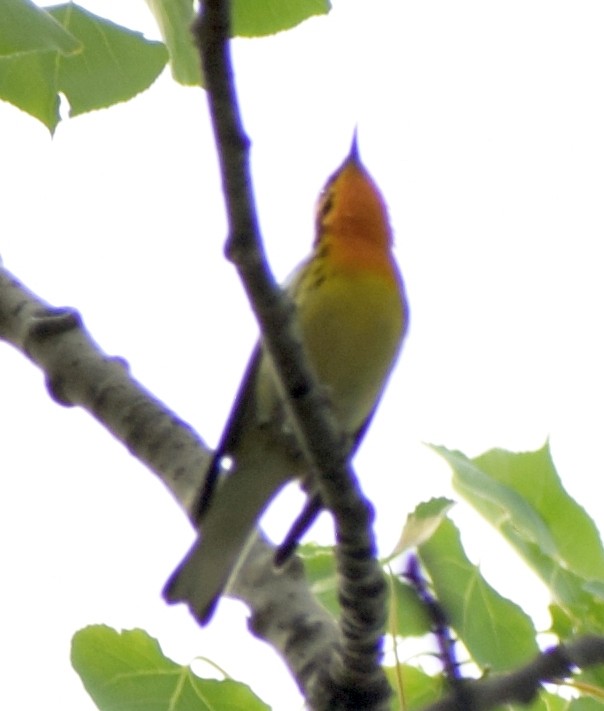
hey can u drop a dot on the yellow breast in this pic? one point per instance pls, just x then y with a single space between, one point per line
350 299
352 324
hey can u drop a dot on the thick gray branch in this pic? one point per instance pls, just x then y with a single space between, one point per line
286 614
77 372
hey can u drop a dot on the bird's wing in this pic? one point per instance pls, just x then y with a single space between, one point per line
241 412
260 469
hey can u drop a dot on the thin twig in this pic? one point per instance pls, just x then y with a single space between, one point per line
523 685
354 679
438 618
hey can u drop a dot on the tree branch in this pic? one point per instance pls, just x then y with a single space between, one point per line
77 372
523 685
285 613
354 677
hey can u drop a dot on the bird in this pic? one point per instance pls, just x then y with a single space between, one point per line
352 312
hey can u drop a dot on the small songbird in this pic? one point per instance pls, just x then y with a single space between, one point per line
353 315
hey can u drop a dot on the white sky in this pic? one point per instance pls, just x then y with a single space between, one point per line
482 123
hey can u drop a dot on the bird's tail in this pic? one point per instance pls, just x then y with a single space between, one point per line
226 527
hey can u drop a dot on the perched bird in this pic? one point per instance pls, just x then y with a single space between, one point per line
353 315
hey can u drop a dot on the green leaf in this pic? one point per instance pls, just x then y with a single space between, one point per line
584 704
174 18
421 524
533 475
496 632
590 683
320 569
254 18
408 617
407 614
27 28
250 18
522 496
28 81
523 493
544 702
127 671
114 65
562 622
501 505
416 687
584 609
